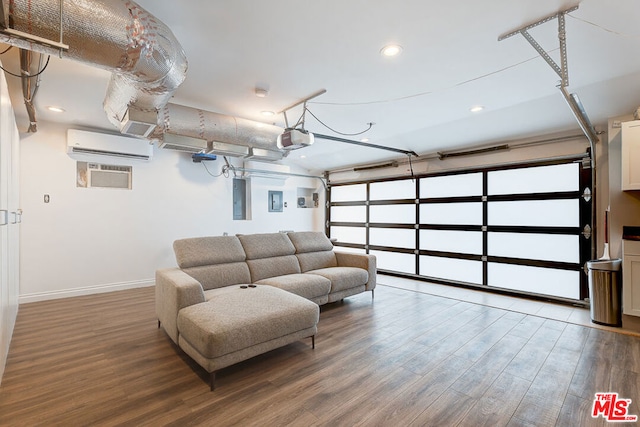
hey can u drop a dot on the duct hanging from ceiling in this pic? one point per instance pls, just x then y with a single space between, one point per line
210 126
147 62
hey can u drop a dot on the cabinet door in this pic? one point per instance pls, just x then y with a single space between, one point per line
631 278
631 155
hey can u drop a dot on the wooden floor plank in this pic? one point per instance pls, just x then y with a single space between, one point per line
576 411
593 373
479 377
405 357
496 407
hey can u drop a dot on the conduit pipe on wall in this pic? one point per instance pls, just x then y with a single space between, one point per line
147 62
29 87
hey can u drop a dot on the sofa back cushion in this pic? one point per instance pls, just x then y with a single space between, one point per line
313 249
269 255
266 245
214 261
198 251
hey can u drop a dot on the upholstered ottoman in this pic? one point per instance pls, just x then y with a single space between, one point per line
242 321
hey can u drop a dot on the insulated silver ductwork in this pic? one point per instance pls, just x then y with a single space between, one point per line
209 126
147 62
148 65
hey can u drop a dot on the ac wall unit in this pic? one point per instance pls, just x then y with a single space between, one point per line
183 143
96 175
103 144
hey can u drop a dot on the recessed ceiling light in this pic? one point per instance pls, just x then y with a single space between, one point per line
303 156
55 109
364 140
267 113
476 108
391 50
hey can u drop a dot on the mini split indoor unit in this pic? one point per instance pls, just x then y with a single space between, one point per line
103 144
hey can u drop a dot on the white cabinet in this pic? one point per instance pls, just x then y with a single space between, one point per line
631 155
631 277
10 218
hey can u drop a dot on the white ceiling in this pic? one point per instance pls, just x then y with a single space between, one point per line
419 101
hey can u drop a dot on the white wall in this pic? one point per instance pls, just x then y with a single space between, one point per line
88 240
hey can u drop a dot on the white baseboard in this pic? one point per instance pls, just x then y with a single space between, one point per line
88 290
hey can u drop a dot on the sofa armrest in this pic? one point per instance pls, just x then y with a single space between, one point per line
367 262
175 290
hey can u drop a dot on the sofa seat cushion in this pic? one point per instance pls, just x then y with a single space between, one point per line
309 286
343 277
236 318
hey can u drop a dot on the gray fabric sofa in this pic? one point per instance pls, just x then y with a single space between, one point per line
234 297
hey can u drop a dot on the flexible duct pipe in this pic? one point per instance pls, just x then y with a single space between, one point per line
147 62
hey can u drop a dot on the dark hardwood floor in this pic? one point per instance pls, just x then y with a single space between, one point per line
406 358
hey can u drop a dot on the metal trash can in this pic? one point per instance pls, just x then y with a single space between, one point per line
605 291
